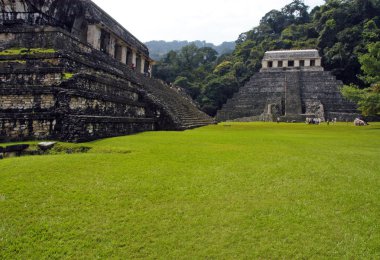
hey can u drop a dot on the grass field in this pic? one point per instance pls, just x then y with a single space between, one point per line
236 191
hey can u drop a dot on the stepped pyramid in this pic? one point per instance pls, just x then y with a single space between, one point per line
292 86
69 71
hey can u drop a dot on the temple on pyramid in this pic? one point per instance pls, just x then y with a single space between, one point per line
291 86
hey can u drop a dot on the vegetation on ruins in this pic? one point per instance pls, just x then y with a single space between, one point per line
23 51
13 61
67 75
20 51
342 30
237 190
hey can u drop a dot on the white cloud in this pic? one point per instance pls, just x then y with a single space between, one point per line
211 20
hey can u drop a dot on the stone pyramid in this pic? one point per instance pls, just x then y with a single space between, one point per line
291 86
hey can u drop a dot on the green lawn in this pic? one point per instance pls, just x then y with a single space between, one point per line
236 191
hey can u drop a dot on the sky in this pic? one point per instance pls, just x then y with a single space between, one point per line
214 21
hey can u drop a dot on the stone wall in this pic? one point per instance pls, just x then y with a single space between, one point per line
18 127
84 106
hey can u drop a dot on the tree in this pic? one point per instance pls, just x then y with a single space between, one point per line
371 63
223 68
296 12
187 57
275 19
184 83
207 55
368 99
371 32
217 91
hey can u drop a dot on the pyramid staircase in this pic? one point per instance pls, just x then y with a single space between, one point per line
177 104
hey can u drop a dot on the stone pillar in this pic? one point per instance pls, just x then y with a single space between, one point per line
150 69
269 109
111 46
129 56
318 63
285 63
296 63
134 56
138 62
124 54
264 64
275 64
118 52
93 36
142 65
307 63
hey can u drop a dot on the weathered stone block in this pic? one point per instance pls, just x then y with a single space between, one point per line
44 146
16 148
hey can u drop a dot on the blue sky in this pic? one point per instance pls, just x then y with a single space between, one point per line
211 20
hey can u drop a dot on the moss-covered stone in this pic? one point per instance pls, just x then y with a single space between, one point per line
20 51
13 61
67 75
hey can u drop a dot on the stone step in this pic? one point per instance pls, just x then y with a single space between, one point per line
181 106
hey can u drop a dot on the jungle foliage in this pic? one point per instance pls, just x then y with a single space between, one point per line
342 31
368 99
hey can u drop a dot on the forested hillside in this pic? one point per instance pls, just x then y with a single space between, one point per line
342 31
158 49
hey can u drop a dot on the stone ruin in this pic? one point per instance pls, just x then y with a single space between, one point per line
291 86
69 71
